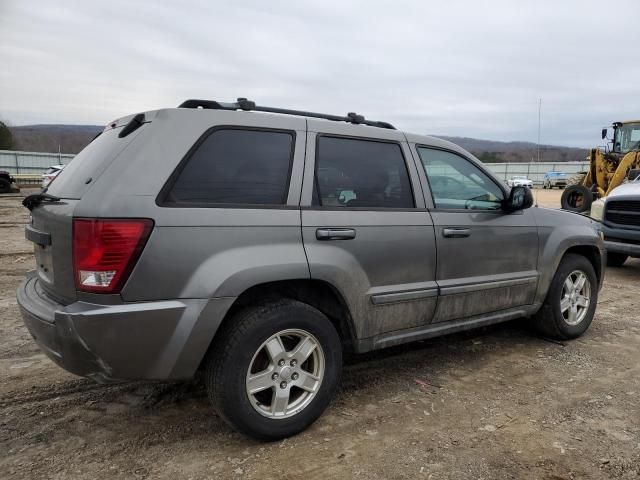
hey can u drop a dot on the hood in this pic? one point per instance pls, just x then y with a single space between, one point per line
632 188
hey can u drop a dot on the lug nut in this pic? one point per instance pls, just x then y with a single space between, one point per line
293 363
294 376
283 384
281 363
274 376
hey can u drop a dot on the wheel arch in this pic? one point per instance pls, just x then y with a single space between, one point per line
592 253
316 293
556 251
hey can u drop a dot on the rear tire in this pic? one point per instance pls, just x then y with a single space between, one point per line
5 185
258 381
576 198
571 300
616 259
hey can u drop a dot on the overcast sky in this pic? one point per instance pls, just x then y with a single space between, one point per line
463 68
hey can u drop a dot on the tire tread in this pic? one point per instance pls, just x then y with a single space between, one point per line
231 338
546 321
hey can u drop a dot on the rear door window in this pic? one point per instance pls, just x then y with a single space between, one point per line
234 166
361 173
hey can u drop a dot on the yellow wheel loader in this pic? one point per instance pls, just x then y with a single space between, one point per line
608 168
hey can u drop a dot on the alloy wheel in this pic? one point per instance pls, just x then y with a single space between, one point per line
575 298
285 373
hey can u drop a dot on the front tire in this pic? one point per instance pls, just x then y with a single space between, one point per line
571 300
274 368
616 259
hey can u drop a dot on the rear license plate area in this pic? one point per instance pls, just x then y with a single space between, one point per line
44 263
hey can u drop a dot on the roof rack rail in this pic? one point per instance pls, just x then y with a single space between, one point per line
248 105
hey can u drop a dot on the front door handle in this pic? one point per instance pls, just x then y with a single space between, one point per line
335 233
455 232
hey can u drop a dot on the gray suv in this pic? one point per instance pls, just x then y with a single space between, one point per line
258 244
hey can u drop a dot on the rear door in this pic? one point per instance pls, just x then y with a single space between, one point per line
487 259
364 230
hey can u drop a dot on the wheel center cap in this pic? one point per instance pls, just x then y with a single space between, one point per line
285 373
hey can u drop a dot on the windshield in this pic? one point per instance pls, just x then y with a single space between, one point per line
627 137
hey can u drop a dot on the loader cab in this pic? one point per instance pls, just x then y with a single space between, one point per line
626 136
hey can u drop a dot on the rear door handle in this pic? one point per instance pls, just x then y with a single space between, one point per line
454 232
335 233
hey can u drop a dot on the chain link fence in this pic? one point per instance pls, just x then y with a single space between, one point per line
27 167
535 171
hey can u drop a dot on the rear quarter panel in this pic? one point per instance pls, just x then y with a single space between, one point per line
199 252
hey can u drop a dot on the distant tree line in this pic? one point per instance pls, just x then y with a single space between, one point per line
6 137
48 138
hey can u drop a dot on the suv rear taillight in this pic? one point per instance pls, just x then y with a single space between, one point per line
106 250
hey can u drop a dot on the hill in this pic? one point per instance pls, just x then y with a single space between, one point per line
50 138
494 151
73 138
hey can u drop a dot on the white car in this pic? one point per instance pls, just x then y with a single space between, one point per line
519 181
51 173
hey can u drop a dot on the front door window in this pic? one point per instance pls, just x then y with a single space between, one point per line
456 183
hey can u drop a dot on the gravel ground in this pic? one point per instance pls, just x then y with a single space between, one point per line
494 403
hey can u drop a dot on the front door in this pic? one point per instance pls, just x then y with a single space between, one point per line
364 230
487 259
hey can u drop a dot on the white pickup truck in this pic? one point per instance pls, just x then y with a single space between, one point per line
619 213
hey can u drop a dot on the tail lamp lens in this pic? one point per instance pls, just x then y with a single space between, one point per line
106 250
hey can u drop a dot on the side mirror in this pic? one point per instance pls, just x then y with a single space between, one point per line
519 199
604 133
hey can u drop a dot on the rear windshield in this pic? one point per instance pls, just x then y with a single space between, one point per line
86 167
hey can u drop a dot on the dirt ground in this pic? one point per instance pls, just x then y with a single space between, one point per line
498 403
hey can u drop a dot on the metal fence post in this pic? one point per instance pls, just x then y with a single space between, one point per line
17 163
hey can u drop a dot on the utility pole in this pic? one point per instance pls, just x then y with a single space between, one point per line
538 145
539 122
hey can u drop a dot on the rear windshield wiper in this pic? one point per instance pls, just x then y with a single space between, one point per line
35 199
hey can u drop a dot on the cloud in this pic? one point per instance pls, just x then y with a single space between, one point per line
466 68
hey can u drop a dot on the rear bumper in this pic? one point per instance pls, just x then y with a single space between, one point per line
619 240
143 340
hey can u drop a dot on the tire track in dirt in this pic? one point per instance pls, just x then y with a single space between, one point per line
64 389
15 254
150 394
